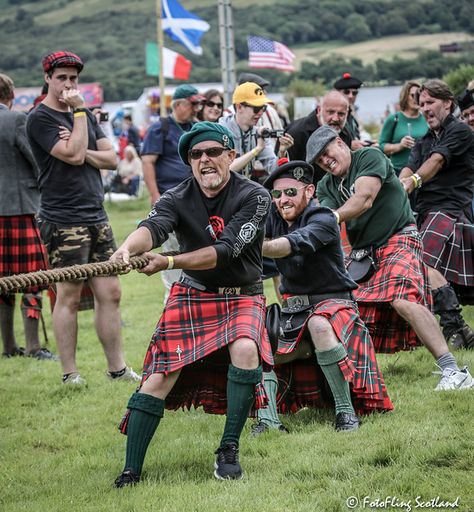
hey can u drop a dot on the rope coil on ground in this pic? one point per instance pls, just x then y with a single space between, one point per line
43 278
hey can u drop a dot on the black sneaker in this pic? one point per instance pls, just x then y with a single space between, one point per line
462 338
126 478
260 428
346 421
227 465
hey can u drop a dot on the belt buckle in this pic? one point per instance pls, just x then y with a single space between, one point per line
296 302
229 290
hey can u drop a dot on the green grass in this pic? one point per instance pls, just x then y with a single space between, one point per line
60 449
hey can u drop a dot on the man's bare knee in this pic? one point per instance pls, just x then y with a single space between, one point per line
244 353
322 333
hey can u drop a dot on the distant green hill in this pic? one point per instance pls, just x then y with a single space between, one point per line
110 35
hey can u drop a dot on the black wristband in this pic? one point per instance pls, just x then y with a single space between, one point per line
79 109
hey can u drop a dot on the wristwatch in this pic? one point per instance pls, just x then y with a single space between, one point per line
79 109
416 177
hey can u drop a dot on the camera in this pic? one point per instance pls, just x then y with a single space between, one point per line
271 134
104 117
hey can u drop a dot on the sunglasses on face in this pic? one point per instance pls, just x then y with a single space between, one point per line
211 104
256 110
214 152
289 192
354 92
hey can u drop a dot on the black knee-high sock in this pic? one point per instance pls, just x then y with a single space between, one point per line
146 412
240 397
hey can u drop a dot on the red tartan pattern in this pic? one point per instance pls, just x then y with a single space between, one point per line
302 382
193 334
448 246
21 248
401 274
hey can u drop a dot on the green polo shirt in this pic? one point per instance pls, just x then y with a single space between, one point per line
391 209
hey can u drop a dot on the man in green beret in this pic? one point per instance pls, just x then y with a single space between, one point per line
210 344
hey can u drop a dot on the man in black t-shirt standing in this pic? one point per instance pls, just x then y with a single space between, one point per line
441 166
210 344
70 148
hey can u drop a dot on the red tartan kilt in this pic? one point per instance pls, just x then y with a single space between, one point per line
448 246
401 274
302 382
193 334
21 248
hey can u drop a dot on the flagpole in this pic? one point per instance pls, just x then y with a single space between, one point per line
161 77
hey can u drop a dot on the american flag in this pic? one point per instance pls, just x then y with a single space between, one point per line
264 53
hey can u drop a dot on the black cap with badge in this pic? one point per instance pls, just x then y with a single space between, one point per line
466 99
296 170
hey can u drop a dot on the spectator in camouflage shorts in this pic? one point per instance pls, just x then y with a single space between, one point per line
70 148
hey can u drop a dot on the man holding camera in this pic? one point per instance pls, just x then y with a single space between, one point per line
255 155
70 148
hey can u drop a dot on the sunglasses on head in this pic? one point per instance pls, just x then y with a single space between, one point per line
289 192
211 104
196 154
354 92
256 110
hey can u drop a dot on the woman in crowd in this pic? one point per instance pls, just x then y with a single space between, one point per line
212 107
402 129
130 171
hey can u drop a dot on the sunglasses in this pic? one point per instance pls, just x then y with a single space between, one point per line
211 104
256 110
354 92
214 152
289 192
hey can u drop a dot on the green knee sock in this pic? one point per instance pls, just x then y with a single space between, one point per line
240 397
328 360
269 415
146 412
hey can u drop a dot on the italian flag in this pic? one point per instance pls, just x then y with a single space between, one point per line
174 64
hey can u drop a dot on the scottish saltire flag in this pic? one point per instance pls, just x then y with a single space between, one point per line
182 26
264 53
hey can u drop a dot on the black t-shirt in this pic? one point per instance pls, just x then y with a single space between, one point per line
70 194
316 263
451 189
233 222
301 130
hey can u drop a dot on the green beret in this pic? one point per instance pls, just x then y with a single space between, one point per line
204 131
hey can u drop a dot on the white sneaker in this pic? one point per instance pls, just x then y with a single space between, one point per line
129 375
74 379
453 379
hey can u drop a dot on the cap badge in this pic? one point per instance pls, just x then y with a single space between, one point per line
225 140
298 173
259 91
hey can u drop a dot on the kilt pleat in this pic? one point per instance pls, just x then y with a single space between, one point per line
448 246
193 334
401 274
21 248
302 382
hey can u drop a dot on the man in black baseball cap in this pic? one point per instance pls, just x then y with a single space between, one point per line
320 326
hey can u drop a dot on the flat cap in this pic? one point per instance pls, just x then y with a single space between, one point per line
187 92
318 142
295 169
347 81
466 99
204 131
62 59
252 77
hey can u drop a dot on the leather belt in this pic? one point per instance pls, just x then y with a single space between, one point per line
250 289
299 302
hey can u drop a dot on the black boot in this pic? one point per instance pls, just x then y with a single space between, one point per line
455 329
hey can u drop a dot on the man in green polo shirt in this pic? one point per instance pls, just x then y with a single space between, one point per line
363 191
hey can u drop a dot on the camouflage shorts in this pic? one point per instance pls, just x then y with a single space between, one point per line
76 245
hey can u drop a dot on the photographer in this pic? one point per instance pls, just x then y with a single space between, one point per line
256 158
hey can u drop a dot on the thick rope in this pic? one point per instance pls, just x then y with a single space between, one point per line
43 278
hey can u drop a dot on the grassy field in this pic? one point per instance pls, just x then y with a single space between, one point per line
60 449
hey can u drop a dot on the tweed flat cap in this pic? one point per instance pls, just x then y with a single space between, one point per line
318 142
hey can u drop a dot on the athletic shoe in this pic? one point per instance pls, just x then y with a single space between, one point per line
44 354
260 428
128 375
74 380
346 421
227 465
453 379
127 478
462 338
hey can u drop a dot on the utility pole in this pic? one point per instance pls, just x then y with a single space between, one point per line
226 37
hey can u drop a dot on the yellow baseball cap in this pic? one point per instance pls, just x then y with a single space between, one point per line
251 94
